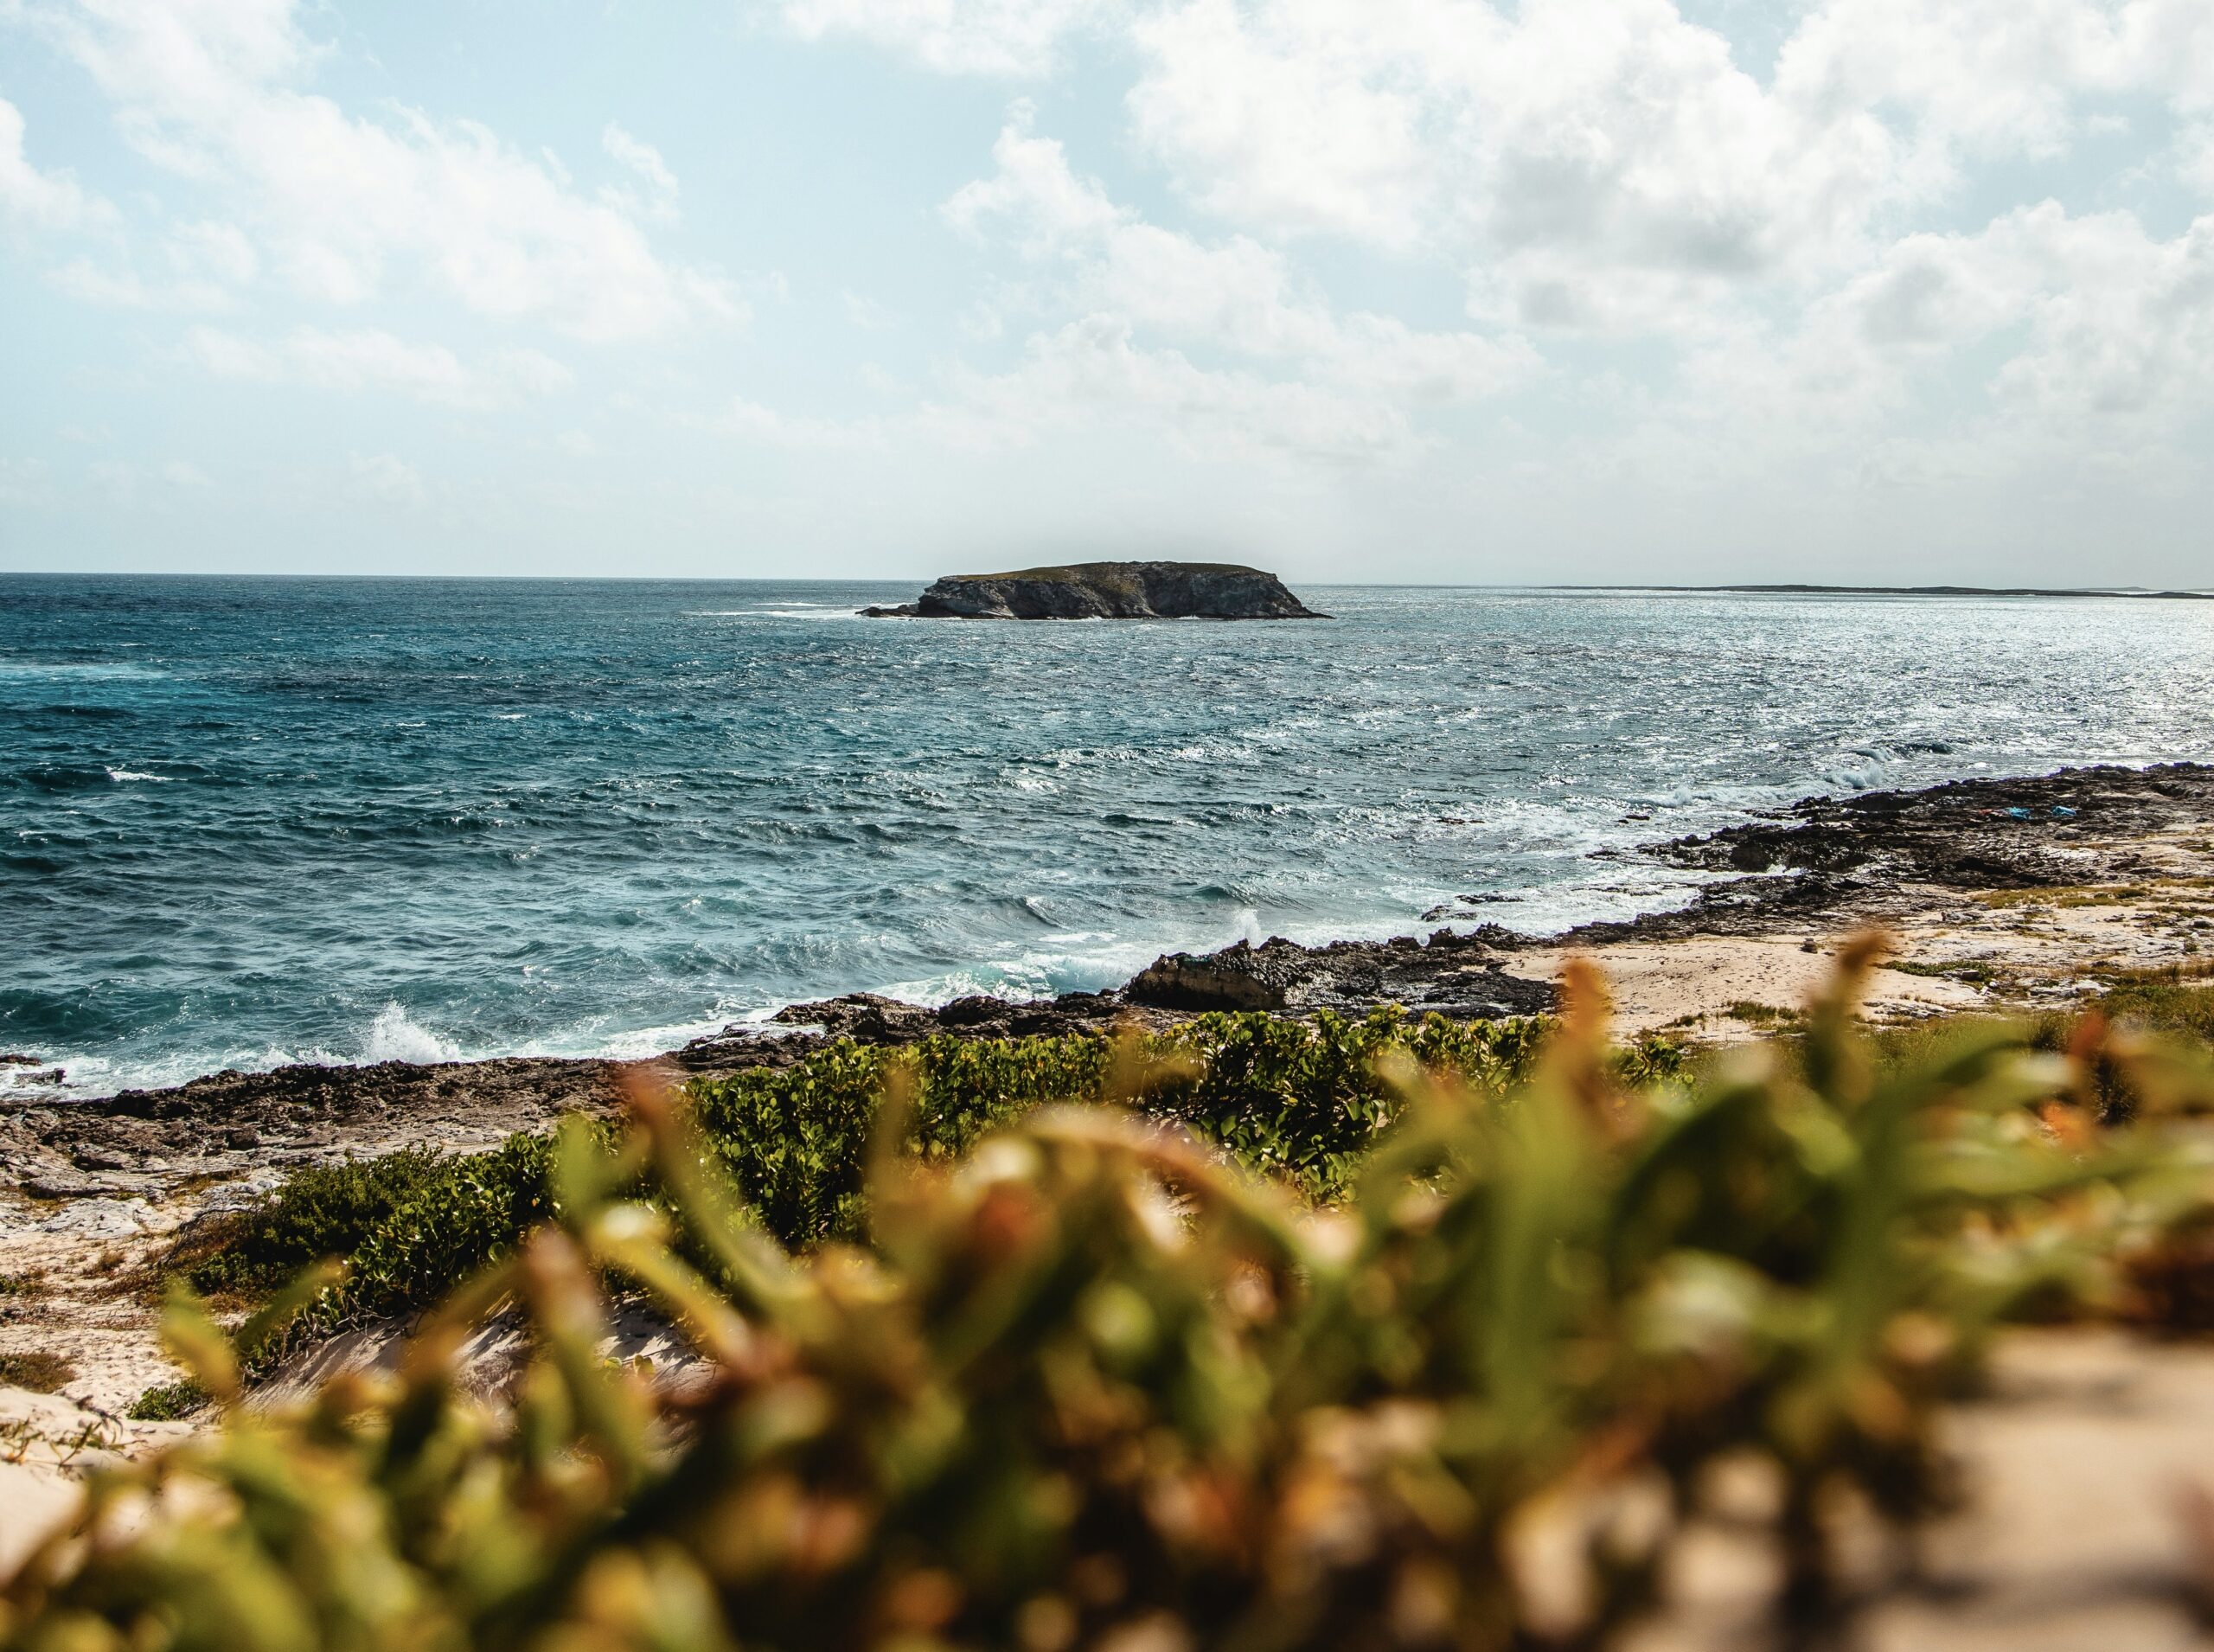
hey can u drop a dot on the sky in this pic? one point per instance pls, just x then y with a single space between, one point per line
1413 290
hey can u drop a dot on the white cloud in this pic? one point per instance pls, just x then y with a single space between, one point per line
866 313
165 485
2195 156
751 421
1235 295
1603 163
1289 119
1031 184
645 160
2044 352
1001 37
23 482
2004 76
386 479
36 200
347 207
2119 324
194 267
1610 165
369 359
1091 373
2104 322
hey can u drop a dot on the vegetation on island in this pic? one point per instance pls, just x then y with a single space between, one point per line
1377 1334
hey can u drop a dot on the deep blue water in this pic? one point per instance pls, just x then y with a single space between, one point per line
250 821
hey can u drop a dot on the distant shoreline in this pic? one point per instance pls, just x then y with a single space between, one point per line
875 582
2117 592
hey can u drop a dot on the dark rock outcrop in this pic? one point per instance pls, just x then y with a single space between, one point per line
1108 591
1238 978
1454 975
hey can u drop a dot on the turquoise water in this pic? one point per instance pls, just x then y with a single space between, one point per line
244 822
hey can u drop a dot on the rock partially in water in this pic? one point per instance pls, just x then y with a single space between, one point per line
1108 591
1242 977
1458 975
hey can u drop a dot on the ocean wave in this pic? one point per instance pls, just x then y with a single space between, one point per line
395 1035
119 776
71 671
806 611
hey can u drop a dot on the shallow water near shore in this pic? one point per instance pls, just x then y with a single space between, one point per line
248 821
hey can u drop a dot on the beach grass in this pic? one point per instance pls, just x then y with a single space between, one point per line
40 1370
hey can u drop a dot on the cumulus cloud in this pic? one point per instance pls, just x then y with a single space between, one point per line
2002 75
200 265
386 479
1291 118
1091 372
866 313
36 200
370 359
347 206
1610 165
2045 351
1032 185
165 485
754 422
2117 323
643 159
1606 162
23 482
998 37
1235 294
2194 156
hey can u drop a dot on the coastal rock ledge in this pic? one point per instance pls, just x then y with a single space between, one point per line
1108 591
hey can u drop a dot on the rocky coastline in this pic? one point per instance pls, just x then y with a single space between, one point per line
1778 880
1107 591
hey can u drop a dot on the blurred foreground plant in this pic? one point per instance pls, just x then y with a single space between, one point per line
1093 1384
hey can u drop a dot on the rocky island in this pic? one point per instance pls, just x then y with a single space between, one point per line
1107 591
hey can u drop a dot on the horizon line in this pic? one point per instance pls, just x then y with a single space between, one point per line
1772 588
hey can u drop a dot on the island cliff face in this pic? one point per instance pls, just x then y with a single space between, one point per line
1109 591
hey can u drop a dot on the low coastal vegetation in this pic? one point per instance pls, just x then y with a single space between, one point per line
1300 1099
1370 1334
40 1370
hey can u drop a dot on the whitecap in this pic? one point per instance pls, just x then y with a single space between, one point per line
794 613
58 671
396 1036
121 775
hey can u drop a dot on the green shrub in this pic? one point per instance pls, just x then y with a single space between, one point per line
320 1210
2171 1003
169 1402
1091 1383
1303 1099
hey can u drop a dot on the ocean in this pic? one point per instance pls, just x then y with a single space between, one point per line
248 821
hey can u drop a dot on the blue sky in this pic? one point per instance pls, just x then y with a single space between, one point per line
1413 290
